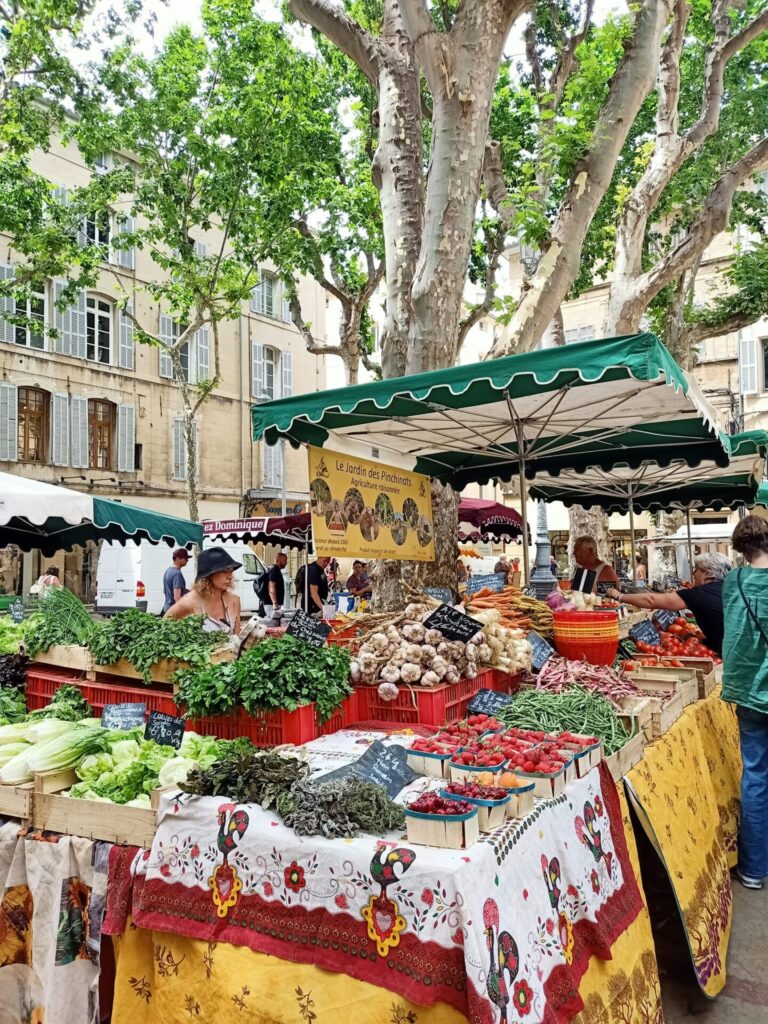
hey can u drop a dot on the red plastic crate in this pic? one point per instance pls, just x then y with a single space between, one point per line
267 730
433 705
41 686
347 714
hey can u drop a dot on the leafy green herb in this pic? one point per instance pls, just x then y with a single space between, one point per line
13 670
67 704
143 640
13 706
62 619
280 672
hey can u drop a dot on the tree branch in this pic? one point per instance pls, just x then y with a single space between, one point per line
711 221
434 49
344 32
495 185
304 329
694 333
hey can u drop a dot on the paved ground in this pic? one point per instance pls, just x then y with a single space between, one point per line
745 997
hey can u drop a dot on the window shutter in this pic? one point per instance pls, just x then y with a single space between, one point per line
179 450
60 429
70 323
747 365
127 257
256 299
126 353
268 296
166 336
126 438
9 422
287 318
268 464
287 374
203 357
78 410
7 307
257 370
200 250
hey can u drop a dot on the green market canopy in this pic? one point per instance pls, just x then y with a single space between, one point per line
44 517
676 485
594 404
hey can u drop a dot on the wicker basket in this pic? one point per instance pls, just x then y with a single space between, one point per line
587 636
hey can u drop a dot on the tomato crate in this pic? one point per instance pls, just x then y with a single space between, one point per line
434 705
343 717
270 729
42 685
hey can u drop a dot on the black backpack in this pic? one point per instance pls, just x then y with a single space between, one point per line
299 582
261 585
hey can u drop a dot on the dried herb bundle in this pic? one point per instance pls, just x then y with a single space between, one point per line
339 809
247 777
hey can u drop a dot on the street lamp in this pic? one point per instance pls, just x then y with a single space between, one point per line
542 580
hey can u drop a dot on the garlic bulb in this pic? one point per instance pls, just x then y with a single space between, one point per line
355 674
379 642
430 679
388 691
410 673
484 654
428 652
413 653
433 636
413 631
390 673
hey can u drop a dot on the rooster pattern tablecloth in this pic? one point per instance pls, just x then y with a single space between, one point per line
503 931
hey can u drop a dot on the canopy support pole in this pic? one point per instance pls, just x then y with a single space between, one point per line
632 537
520 435
690 549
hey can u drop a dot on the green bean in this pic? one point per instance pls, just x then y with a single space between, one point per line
575 710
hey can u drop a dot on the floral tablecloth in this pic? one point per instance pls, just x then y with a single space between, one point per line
50 927
686 792
502 931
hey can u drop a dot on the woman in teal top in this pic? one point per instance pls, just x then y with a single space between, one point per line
745 684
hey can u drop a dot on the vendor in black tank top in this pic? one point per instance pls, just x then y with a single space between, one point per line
589 569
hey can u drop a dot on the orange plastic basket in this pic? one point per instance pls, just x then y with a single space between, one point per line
587 636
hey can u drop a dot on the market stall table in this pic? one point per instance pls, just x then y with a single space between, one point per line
514 920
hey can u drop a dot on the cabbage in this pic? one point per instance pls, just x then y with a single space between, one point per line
64 751
203 749
9 750
14 733
80 791
176 770
47 729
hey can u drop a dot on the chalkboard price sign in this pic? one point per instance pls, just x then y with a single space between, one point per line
386 766
452 624
168 730
17 612
440 594
123 716
311 631
495 581
664 619
488 702
645 632
541 651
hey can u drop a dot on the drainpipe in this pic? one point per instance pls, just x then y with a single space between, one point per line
243 401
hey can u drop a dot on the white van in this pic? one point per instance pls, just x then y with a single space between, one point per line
132 576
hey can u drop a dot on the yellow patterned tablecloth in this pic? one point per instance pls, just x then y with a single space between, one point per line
686 791
167 979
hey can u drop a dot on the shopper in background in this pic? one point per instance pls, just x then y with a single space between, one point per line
174 584
358 583
745 684
317 585
704 599
641 573
462 575
50 578
589 569
554 568
212 595
272 587
503 566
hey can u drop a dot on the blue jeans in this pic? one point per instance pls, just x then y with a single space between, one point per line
753 826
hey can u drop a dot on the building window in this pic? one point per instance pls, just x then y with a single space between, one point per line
97 229
764 344
33 424
580 334
32 308
271 362
99 329
101 433
264 295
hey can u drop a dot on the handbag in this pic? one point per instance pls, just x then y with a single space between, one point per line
754 617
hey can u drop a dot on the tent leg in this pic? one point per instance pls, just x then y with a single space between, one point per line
306 579
690 549
632 539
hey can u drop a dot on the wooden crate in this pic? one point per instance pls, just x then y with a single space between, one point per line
627 757
66 656
684 681
665 713
162 671
451 833
638 715
91 819
16 801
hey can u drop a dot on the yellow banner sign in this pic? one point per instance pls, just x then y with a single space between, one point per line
364 509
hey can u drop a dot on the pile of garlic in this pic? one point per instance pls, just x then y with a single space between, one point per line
510 648
406 651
